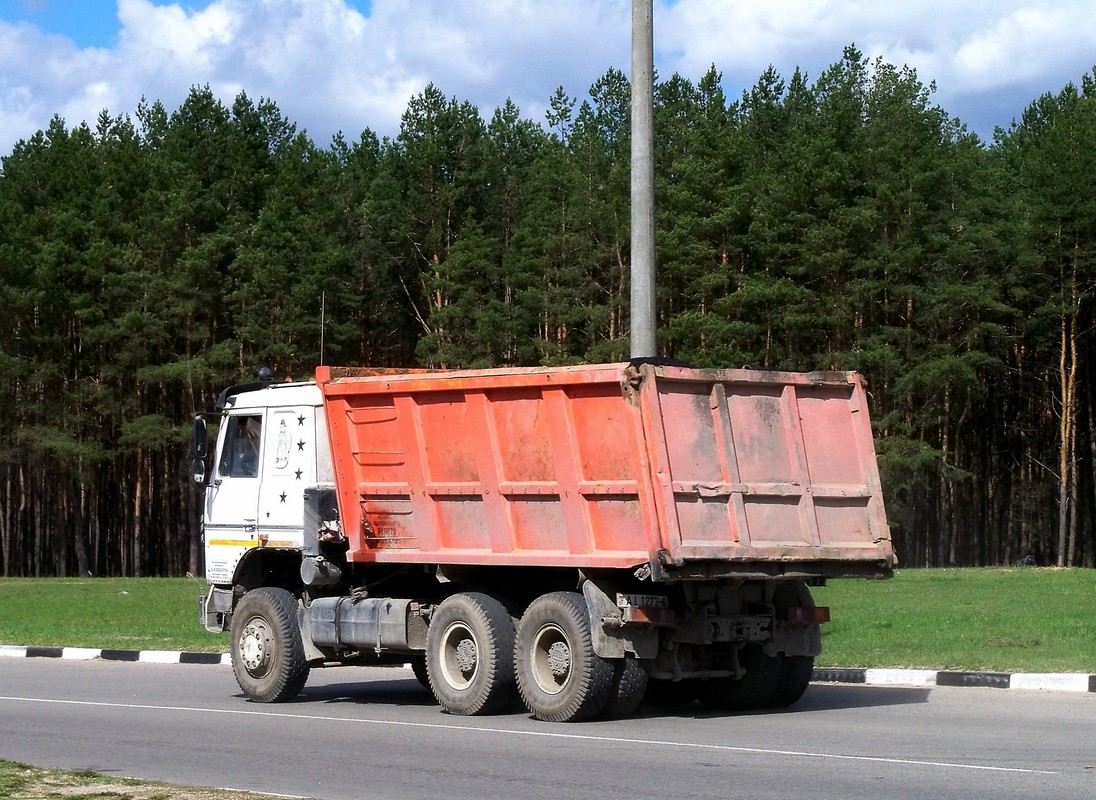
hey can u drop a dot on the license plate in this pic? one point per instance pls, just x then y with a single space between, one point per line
642 601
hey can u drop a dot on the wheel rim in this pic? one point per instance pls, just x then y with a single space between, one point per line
459 656
552 663
256 647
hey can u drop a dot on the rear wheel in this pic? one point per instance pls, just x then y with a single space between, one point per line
753 690
470 654
795 671
629 686
559 676
267 650
795 677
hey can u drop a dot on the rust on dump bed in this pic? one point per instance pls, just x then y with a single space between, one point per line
338 373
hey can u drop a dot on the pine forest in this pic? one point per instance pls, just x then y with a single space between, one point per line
843 222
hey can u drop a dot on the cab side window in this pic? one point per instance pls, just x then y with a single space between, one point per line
240 458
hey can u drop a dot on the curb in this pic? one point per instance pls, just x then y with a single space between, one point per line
1040 681
1031 681
92 654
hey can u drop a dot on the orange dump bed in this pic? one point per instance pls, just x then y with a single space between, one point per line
694 472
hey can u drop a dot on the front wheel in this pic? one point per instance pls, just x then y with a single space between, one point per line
560 677
267 651
418 669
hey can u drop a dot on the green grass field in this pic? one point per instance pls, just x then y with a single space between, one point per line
1007 620
108 613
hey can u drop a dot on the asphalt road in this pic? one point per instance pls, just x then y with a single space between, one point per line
372 734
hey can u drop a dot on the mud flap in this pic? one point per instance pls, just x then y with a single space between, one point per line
611 637
215 609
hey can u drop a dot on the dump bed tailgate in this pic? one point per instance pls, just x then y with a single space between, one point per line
693 472
764 466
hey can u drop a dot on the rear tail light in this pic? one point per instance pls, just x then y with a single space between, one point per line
648 616
807 615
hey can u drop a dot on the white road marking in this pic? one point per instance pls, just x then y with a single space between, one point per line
542 734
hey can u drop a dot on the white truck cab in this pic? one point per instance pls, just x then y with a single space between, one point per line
271 445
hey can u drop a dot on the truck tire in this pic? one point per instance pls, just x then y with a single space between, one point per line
628 688
267 651
418 669
559 676
470 655
795 671
756 689
795 677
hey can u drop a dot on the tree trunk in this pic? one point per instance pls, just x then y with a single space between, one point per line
1067 365
78 527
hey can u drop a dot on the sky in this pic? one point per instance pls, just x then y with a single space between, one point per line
348 65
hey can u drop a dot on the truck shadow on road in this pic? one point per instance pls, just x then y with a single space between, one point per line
399 691
392 689
824 697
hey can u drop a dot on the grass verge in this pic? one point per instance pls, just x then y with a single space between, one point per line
1001 620
21 782
106 613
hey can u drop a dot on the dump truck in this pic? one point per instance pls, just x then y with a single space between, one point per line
576 537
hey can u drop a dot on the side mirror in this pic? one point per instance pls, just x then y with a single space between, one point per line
201 449
201 437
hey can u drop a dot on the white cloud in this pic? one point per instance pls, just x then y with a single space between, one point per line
1019 46
329 67
44 75
988 59
326 65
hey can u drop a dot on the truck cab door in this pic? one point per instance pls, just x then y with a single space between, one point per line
288 466
232 497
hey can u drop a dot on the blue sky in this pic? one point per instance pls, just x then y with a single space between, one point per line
88 23
347 65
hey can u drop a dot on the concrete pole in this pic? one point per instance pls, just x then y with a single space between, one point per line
644 342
